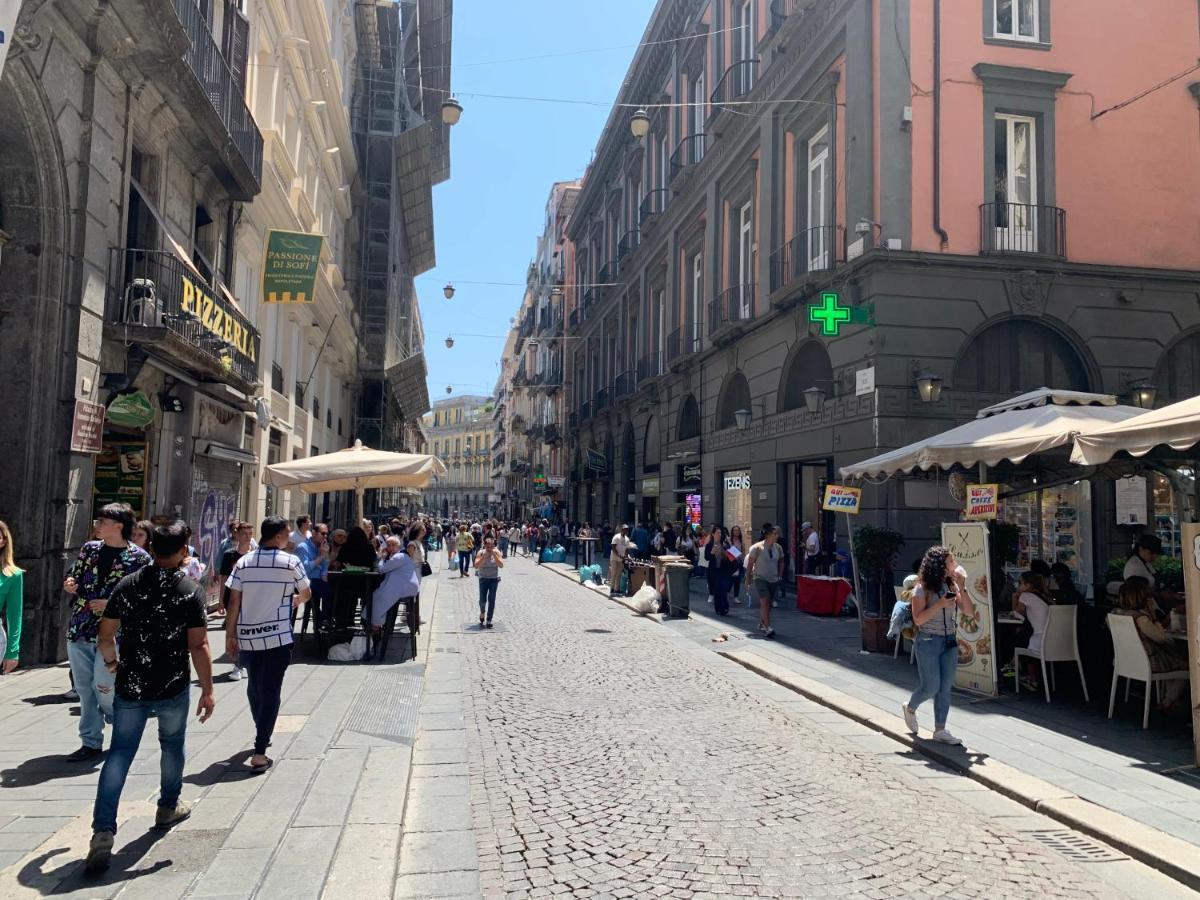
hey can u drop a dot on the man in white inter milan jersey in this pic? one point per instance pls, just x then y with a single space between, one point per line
264 587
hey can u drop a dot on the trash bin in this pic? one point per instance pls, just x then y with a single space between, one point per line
660 570
679 576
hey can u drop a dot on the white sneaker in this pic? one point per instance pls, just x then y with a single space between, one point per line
709 600
761 627
942 736
769 633
237 674
910 718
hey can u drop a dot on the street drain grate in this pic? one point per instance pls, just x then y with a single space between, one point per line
1076 847
386 705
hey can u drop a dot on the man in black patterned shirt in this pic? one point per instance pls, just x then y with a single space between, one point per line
160 615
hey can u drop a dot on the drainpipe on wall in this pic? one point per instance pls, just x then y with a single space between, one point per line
937 124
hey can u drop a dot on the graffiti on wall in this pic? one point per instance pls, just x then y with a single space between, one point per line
215 514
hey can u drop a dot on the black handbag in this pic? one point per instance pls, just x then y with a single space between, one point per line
426 569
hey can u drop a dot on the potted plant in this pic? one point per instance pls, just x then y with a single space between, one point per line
875 551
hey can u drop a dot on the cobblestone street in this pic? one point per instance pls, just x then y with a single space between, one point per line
607 757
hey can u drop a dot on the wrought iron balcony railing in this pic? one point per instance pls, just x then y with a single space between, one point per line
649 366
1022 228
602 400
688 152
735 83
625 384
608 274
653 205
736 304
812 250
683 342
207 63
628 243
171 306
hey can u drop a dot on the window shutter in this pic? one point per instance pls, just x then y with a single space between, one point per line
237 46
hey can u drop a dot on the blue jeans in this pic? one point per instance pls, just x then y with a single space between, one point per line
95 685
937 663
129 721
504 548
464 562
487 596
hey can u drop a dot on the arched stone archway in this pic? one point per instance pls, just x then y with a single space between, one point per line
38 352
689 419
735 395
1017 355
1177 375
807 367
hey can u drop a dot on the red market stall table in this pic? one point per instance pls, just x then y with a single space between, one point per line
821 595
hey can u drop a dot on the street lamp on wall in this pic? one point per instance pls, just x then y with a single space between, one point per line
743 418
1144 394
814 399
929 387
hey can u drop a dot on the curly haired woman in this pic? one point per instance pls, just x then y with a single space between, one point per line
937 599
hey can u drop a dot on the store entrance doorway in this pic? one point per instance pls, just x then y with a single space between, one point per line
806 486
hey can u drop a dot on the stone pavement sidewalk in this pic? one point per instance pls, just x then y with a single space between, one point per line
324 822
1069 744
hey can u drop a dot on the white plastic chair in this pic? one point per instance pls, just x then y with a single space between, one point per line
1059 644
1131 663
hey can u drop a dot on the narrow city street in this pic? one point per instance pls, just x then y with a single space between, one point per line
596 753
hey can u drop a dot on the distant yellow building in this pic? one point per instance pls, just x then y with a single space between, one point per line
460 434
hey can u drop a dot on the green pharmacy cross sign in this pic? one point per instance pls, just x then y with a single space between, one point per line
831 314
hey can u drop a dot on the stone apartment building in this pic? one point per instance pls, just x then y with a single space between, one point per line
834 227
460 432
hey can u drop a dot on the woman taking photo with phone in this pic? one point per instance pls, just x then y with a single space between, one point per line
937 599
488 564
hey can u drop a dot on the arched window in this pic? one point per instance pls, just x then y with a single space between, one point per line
734 396
650 446
1177 375
689 419
1019 355
809 367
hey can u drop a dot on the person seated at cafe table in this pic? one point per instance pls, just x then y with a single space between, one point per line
1032 600
1165 653
1146 550
1063 587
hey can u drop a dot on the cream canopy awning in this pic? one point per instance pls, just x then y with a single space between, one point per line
357 469
1009 431
1176 426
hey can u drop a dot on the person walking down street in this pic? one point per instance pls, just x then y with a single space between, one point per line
720 569
738 544
266 584
141 534
937 599
618 552
488 563
764 567
465 544
159 612
91 579
641 540
812 548
12 603
242 544
503 532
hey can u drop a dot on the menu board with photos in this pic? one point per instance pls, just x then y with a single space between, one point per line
121 476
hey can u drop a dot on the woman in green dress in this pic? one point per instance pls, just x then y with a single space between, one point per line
12 603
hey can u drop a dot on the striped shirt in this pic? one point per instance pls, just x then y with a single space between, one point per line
268 579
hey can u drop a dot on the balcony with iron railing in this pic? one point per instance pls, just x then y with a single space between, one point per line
573 321
653 205
551 434
585 411
734 305
608 275
811 251
736 83
603 400
649 367
155 299
625 384
629 242
781 9
572 420
234 140
683 342
1023 228
688 153
588 301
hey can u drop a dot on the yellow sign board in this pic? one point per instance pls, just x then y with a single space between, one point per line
842 498
215 318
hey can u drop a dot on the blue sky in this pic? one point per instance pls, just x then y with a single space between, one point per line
505 155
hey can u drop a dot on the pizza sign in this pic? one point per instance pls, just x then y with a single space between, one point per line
842 498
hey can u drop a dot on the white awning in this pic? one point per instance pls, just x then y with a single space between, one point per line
1048 397
1176 426
1012 436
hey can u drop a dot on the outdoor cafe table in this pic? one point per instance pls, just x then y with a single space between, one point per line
347 588
588 544
821 595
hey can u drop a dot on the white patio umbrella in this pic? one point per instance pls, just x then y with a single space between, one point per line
1010 431
1176 426
355 469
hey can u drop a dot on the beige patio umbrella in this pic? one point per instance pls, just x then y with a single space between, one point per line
355 469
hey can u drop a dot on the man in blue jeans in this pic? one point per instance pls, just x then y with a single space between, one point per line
160 615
